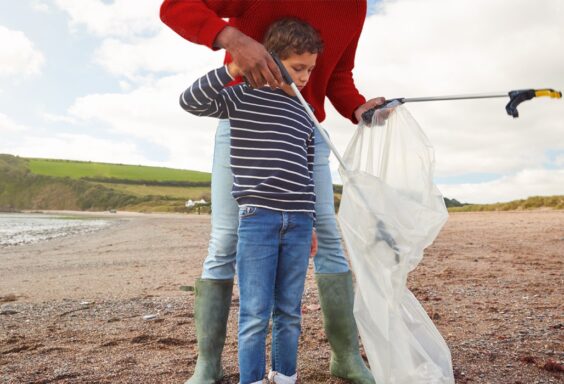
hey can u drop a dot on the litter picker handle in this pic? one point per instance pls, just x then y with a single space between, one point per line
285 74
367 116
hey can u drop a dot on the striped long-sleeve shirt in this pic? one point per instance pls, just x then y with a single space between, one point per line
272 141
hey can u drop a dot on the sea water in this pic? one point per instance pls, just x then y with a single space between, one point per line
20 229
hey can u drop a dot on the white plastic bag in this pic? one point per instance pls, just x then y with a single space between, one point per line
390 211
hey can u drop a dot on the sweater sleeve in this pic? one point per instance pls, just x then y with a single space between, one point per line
206 96
200 21
341 90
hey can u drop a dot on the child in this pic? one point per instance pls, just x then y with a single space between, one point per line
272 153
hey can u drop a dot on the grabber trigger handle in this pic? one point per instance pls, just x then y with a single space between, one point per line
516 98
367 116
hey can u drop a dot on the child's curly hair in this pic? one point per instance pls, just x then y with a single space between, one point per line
292 36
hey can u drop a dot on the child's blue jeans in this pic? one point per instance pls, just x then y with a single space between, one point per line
272 260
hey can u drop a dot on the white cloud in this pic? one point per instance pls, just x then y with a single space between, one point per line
124 85
163 52
135 43
52 118
526 183
37 141
559 161
7 125
18 55
152 113
85 147
40 6
73 147
124 18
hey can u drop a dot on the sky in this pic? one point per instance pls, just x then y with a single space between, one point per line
99 80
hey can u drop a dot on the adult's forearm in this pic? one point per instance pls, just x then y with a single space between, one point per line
227 38
341 89
344 95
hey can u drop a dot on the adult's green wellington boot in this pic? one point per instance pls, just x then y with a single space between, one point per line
337 299
211 310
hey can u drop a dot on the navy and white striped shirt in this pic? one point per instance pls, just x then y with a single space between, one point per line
272 141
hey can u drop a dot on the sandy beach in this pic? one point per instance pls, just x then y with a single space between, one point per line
106 307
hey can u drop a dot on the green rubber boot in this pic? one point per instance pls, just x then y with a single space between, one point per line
211 310
337 299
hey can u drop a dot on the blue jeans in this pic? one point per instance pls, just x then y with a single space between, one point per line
272 259
220 262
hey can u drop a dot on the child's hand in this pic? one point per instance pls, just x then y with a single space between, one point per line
313 243
234 70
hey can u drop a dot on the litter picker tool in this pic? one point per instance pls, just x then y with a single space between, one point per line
288 79
515 98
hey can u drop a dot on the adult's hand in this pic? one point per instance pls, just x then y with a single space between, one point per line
368 105
251 57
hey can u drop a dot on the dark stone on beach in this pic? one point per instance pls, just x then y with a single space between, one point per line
187 288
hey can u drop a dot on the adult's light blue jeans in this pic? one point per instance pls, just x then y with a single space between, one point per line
220 262
272 259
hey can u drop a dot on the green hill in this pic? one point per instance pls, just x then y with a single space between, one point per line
61 184
116 172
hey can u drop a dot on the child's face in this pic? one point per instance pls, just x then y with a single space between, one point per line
299 67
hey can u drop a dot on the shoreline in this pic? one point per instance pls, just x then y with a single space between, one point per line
108 213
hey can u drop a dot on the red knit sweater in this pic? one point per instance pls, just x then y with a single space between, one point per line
339 23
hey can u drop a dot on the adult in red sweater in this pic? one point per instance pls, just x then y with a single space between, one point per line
339 24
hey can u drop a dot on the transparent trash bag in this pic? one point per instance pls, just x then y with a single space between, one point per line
390 212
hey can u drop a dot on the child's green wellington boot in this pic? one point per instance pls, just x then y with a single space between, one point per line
211 310
337 299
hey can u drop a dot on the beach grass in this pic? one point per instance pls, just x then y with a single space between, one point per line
533 202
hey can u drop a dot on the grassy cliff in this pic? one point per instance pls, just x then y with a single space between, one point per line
59 184
22 189
135 174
